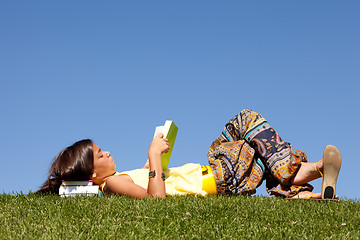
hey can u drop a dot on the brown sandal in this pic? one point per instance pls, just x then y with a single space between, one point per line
332 165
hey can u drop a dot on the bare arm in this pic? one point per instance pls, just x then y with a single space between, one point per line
156 187
124 185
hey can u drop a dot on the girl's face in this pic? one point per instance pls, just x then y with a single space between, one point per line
103 163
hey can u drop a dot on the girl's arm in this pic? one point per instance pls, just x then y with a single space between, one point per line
156 188
124 185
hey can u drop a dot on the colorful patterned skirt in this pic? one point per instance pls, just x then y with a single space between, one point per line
249 151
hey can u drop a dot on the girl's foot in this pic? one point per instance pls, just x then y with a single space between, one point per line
309 195
307 172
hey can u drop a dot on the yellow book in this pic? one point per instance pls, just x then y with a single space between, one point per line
169 129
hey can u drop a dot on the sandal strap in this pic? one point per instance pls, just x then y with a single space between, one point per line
309 197
317 167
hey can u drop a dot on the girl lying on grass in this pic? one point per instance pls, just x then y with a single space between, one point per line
247 152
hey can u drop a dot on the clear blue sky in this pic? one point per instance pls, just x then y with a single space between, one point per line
112 71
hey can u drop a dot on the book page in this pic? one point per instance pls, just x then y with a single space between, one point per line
158 130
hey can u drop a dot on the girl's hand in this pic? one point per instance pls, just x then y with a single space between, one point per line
159 145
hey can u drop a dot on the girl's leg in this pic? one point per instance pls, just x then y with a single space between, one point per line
281 162
307 172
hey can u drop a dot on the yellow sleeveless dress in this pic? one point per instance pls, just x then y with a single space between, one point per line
186 179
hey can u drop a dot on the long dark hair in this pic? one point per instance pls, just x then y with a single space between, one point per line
75 162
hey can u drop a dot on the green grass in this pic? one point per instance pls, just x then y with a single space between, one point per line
114 217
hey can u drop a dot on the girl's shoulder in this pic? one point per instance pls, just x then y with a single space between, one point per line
114 180
118 178
123 185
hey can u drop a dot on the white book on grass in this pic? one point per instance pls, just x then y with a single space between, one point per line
77 183
74 188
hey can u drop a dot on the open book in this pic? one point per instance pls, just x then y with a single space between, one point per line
169 129
73 188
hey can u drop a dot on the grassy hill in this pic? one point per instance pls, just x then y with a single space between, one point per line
114 217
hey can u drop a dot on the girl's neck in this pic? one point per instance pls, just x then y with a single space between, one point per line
99 180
